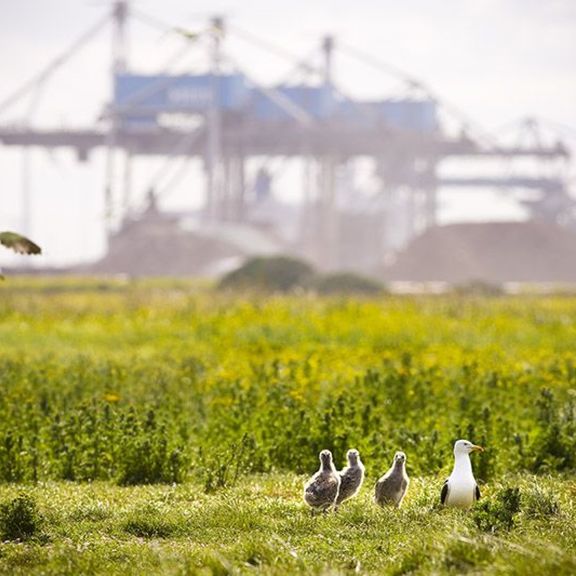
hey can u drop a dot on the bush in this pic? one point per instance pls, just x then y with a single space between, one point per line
20 519
498 514
554 445
150 455
274 274
346 283
222 468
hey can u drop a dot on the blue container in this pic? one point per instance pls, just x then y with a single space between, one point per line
316 101
412 115
145 94
415 115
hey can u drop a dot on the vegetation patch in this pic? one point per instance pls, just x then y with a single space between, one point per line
162 429
149 523
346 283
500 512
20 519
271 274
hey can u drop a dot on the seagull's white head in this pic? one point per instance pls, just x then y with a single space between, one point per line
326 458
353 457
399 457
465 447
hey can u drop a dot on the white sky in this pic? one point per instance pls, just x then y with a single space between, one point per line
498 60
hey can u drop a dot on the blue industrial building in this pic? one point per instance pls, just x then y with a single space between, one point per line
141 99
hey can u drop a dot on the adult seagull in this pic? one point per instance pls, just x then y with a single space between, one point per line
461 489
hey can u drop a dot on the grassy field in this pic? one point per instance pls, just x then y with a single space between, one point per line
159 428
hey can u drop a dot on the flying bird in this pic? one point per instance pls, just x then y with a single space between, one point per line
188 34
20 244
321 490
461 489
351 477
392 487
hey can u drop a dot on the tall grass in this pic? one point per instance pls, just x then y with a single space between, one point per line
144 383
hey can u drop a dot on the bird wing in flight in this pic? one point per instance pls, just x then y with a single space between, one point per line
20 244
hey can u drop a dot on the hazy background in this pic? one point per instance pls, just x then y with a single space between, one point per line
497 60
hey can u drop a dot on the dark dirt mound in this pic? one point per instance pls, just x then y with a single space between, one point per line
492 252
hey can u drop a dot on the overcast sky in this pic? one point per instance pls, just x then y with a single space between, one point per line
497 60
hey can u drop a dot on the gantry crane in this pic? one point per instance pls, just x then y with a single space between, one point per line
315 123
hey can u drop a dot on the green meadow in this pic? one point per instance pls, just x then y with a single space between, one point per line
161 427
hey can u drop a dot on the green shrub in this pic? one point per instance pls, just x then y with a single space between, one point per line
554 446
346 283
20 519
12 459
149 455
499 513
221 467
271 274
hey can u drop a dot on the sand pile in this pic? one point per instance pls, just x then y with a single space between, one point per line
493 252
175 254
163 245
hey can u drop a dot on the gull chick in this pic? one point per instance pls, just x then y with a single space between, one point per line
351 477
391 488
321 490
461 489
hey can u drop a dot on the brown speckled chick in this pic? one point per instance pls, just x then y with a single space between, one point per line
351 477
321 490
391 488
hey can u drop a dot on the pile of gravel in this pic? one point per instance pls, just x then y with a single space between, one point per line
492 252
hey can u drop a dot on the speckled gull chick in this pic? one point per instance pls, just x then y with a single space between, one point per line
391 488
461 489
351 477
321 490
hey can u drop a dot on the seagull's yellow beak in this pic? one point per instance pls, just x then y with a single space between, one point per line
477 448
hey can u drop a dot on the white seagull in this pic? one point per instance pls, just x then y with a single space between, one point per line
461 489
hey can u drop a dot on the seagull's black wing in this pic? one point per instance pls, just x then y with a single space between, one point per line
444 493
20 244
477 492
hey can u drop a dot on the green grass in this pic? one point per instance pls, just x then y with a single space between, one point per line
155 427
262 526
